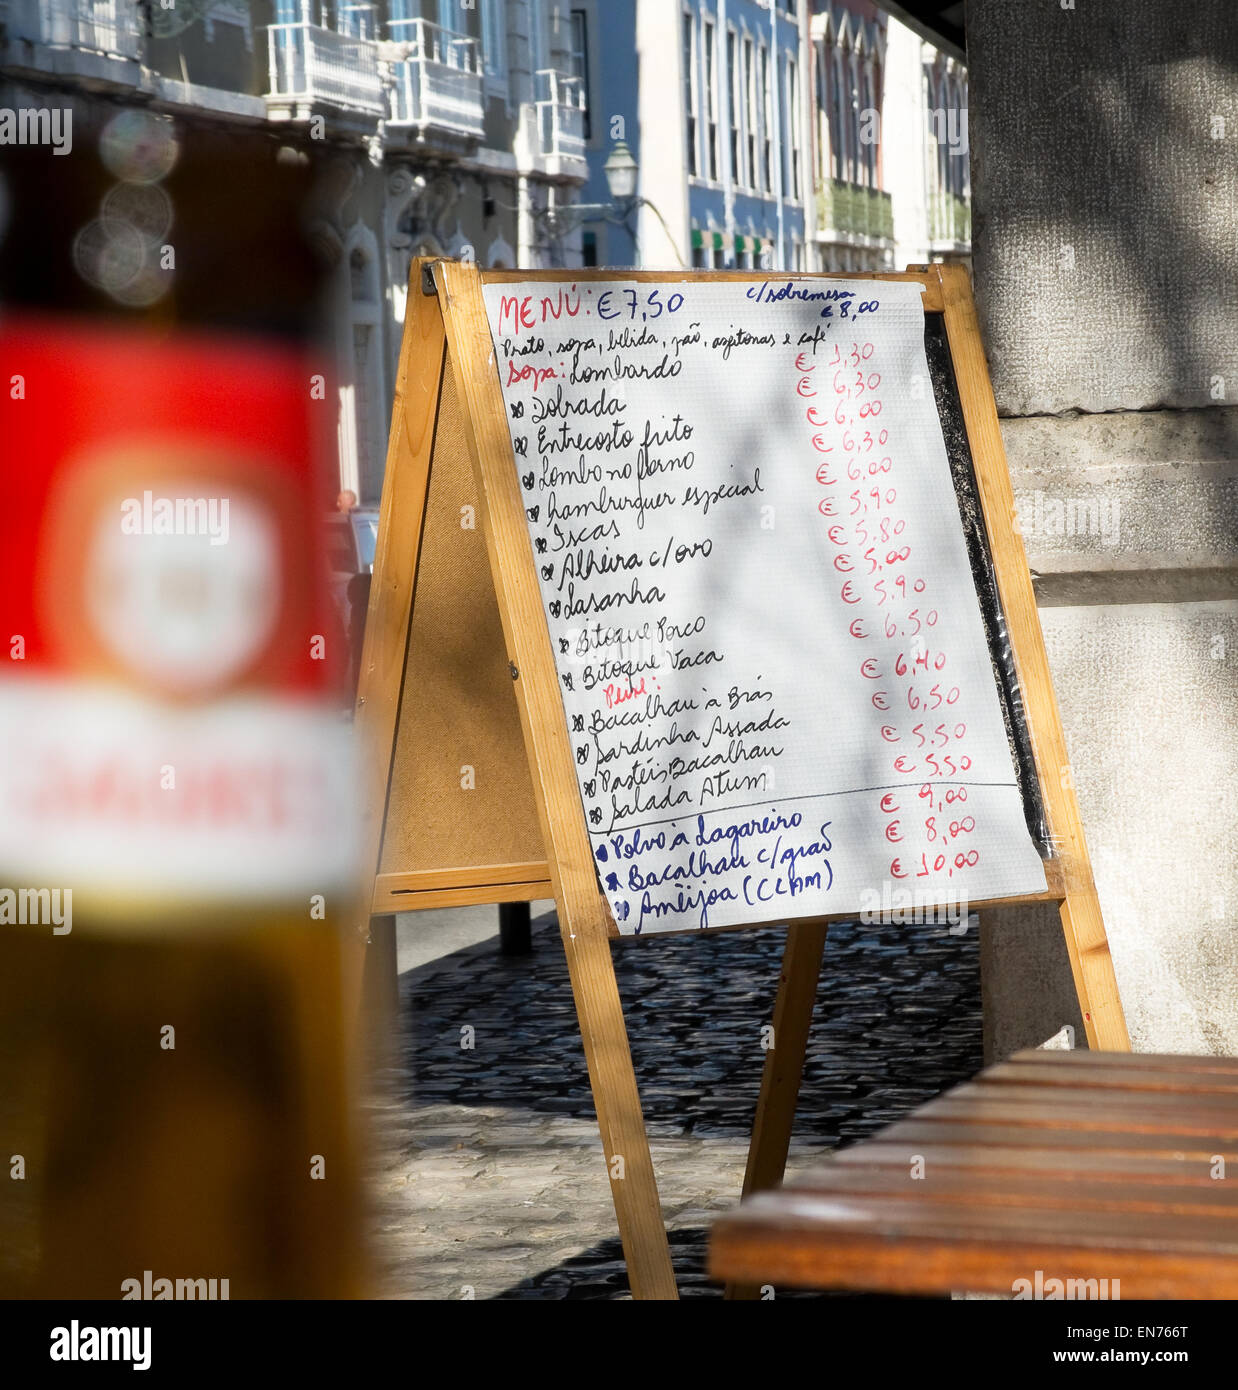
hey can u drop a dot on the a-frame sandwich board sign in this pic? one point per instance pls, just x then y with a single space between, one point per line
459 692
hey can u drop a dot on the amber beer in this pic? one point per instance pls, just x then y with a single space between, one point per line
176 800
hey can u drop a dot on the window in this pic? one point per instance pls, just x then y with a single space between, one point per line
767 124
750 110
451 16
943 149
494 40
793 126
711 101
588 249
852 112
689 104
580 64
870 128
736 92
838 127
537 39
698 258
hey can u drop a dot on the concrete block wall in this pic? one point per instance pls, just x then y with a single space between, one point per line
1105 174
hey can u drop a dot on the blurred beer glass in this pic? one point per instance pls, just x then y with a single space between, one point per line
176 797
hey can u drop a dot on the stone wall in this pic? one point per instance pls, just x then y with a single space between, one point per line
1104 172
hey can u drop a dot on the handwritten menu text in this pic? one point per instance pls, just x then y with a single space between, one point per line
768 643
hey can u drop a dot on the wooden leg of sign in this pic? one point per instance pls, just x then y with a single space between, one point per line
1096 984
629 1163
784 1066
382 977
584 917
405 490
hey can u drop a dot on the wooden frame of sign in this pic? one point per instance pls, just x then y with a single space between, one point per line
458 674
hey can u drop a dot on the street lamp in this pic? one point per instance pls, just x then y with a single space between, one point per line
621 171
622 174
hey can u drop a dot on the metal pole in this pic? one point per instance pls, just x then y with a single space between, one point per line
515 929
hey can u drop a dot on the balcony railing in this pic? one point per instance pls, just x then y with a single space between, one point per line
950 219
560 114
853 210
312 64
440 83
112 28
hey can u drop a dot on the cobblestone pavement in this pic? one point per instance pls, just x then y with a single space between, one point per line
491 1177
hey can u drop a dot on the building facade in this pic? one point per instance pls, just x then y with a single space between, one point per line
442 127
889 113
784 134
710 98
792 135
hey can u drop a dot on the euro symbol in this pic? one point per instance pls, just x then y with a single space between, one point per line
799 390
889 733
813 418
826 507
893 834
799 364
847 592
868 669
823 476
896 869
888 804
881 700
899 764
819 444
842 563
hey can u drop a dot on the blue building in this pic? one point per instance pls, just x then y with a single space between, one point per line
712 100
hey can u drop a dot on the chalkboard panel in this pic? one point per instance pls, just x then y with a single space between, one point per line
780 685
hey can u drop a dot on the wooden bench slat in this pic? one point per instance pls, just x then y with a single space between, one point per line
1079 1165
1097 1118
951 1131
1039 1073
1063 1164
793 1258
1105 1099
946 1184
1187 1233
1133 1062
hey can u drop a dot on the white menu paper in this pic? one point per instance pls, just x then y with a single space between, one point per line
768 642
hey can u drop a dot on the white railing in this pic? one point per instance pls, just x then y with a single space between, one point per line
109 27
440 83
560 114
310 63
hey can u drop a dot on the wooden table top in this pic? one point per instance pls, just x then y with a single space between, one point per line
1079 1165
